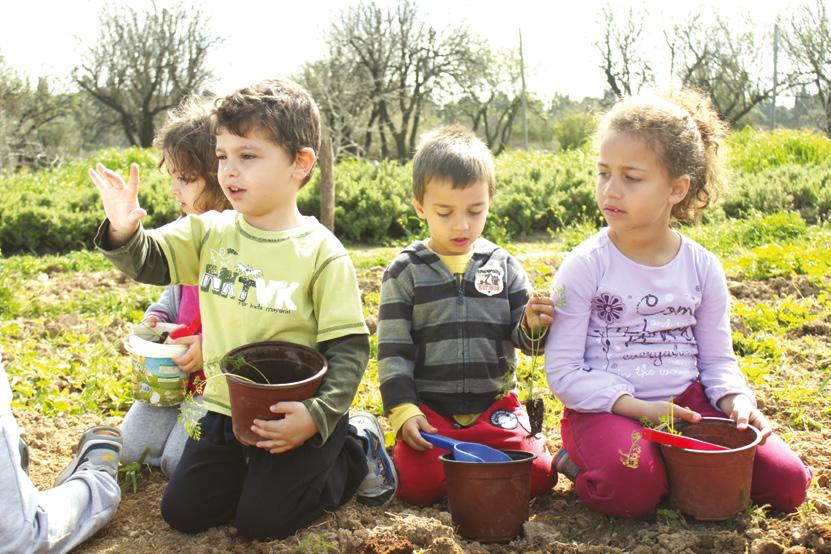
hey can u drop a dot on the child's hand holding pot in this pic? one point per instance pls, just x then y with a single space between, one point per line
740 409
191 360
282 435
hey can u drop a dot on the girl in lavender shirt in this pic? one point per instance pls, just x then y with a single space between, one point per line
643 315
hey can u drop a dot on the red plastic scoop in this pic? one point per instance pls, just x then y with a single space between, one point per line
680 441
187 330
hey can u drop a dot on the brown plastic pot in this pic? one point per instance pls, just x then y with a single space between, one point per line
712 485
294 372
489 500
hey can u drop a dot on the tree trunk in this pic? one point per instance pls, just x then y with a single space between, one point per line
327 185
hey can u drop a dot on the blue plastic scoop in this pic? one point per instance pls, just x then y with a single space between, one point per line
466 451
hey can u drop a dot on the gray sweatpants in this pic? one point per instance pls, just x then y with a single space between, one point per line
154 427
54 520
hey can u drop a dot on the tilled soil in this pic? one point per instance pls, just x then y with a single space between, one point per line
558 522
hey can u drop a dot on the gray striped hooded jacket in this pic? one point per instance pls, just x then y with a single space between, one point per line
450 346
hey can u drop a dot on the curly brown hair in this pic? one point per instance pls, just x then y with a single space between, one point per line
283 110
685 131
188 147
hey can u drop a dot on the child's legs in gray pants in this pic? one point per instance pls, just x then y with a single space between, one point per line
55 520
155 427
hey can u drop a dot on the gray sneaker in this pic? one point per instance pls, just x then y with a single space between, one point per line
381 481
98 449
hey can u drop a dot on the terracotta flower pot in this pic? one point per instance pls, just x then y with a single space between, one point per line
489 501
712 485
293 372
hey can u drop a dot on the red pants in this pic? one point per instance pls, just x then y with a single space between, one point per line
595 442
504 425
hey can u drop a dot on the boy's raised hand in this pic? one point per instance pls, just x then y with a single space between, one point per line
412 437
281 435
120 201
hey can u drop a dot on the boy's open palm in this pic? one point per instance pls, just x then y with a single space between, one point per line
120 201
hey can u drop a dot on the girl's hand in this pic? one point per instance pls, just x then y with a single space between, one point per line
539 312
740 409
191 360
636 409
282 435
409 433
120 201
150 321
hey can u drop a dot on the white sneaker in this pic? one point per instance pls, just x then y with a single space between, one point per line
381 481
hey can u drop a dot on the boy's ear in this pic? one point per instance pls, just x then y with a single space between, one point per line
419 209
680 188
304 162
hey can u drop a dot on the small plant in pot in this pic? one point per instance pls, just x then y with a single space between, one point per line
262 374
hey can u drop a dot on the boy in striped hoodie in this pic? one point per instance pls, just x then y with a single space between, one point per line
453 307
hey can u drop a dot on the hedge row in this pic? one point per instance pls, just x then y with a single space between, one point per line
58 210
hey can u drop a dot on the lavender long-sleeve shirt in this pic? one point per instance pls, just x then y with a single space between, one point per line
625 328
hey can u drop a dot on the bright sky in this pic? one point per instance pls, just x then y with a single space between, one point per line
273 38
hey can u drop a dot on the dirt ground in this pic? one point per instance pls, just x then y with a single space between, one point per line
558 522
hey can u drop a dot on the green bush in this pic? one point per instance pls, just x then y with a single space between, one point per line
574 130
58 210
751 151
790 187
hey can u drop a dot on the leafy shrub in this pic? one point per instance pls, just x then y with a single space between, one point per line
574 130
804 189
752 151
57 210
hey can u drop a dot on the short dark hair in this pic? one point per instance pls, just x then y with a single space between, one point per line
283 110
188 147
453 153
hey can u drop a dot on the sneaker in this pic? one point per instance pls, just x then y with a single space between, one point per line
23 448
565 466
381 481
98 449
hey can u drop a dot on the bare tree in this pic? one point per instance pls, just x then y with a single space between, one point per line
34 121
807 42
344 100
722 61
623 64
491 97
145 63
402 61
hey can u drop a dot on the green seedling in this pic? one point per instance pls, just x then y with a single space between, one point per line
191 412
671 517
131 473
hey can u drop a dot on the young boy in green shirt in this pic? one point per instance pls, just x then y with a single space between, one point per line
265 272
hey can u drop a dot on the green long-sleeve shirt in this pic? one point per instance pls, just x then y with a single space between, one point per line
297 285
